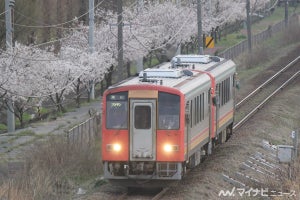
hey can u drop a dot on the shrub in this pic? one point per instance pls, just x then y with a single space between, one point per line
3 127
258 55
291 35
53 169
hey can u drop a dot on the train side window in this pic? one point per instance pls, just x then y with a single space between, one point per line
208 97
202 106
196 110
192 113
219 94
199 107
231 85
227 89
223 93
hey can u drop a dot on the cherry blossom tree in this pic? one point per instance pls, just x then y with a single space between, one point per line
93 65
31 75
19 82
34 74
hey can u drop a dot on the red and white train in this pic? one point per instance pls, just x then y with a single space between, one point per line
156 125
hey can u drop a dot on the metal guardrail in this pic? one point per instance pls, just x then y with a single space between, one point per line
86 132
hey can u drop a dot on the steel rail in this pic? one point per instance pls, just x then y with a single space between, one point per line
123 196
156 197
266 82
160 194
250 114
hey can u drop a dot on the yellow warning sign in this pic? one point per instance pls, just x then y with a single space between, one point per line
209 42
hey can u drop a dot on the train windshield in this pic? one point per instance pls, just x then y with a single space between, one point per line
117 111
168 111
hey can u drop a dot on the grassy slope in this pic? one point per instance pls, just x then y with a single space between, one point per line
238 36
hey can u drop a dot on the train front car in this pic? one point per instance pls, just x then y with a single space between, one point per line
142 134
157 124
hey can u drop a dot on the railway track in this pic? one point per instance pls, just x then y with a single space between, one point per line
151 195
246 108
254 101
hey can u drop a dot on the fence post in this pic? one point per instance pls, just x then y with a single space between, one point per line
295 135
85 131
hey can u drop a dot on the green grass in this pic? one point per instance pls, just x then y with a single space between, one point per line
3 127
133 69
240 35
44 111
275 17
21 134
274 44
26 133
154 62
248 74
231 40
26 119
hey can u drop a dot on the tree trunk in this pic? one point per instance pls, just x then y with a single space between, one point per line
83 9
59 16
19 113
108 77
46 20
78 93
58 101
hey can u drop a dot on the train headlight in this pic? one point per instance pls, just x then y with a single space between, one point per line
113 147
169 148
117 147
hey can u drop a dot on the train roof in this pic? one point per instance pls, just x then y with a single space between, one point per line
184 72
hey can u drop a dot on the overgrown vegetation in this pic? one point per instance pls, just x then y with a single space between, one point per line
256 57
263 55
288 183
53 170
3 127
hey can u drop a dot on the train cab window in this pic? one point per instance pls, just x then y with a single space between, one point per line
117 111
168 111
224 91
142 117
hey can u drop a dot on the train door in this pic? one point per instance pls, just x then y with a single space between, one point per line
142 129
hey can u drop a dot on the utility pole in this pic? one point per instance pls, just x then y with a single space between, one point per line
295 136
249 35
119 71
210 9
199 20
178 51
8 23
140 5
9 4
139 61
286 13
91 43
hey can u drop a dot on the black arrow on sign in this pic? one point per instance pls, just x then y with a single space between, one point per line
210 41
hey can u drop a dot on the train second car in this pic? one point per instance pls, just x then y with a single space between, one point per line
156 125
